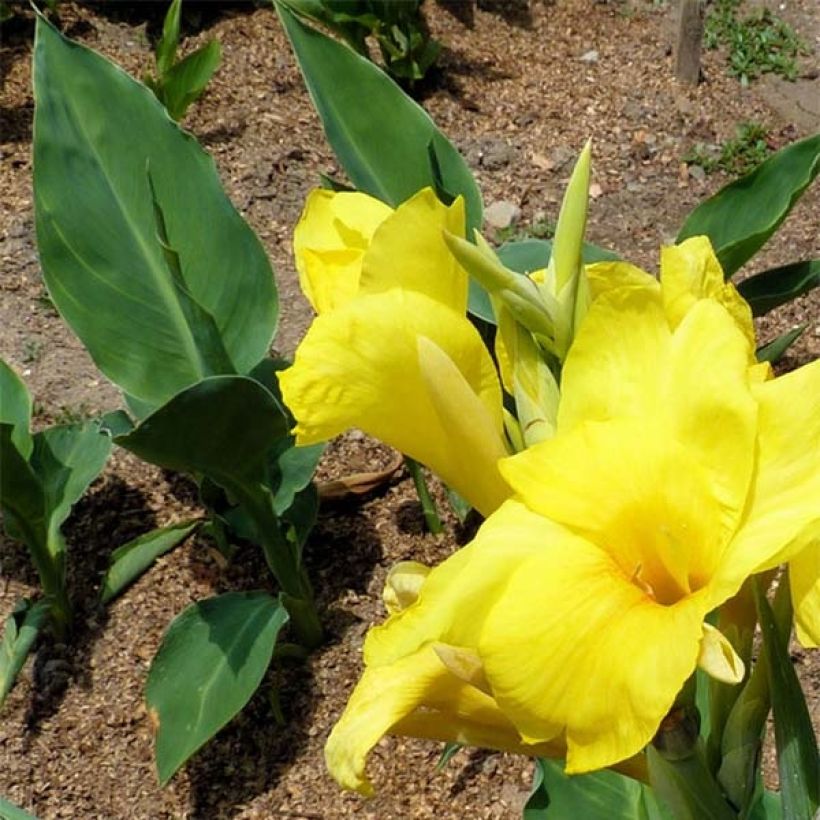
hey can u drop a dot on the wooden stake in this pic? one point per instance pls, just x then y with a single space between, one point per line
690 35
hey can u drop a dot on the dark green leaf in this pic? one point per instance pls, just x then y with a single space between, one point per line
130 560
19 634
777 286
797 758
379 135
186 81
767 807
222 427
295 467
96 132
210 662
603 795
15 409
447 753
774 350
741 217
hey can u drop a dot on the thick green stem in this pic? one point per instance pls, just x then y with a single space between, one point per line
428 506
283 562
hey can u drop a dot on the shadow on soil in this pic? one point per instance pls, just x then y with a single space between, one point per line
247 757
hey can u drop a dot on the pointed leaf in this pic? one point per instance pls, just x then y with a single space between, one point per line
210 662
97 134
19 634
167 45
186 81
777 286
379 135
741 217
130 560
797 757
773 351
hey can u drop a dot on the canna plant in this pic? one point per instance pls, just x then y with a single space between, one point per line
180 83
642 474
174 298
398 27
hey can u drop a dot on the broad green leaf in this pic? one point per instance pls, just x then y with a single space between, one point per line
773 351
8 811
100 136
741 217
527 255
797 756
211 661
604 795
130 560
19 634
15 409
186 81
222 427
379 135
767 807
776 286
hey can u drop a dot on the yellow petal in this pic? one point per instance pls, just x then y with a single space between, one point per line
359 366
804 576
690 272
329 242
693 383
408 251
718 658
637 493
612 368
382 697
606 276
419 696
458 593
403 584
783 513
572 647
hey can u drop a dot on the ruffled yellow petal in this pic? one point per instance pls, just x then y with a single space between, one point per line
635 492
467 582
572 647
783 510
804 576
359 366
329 244
613 366
408 251
690 272
606 276
692 383
419 696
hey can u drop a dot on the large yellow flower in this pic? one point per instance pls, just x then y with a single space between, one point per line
392 351
577 613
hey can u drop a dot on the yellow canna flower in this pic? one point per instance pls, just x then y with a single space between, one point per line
392 351
577 613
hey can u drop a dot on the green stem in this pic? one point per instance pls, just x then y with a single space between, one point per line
428 506
283 564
